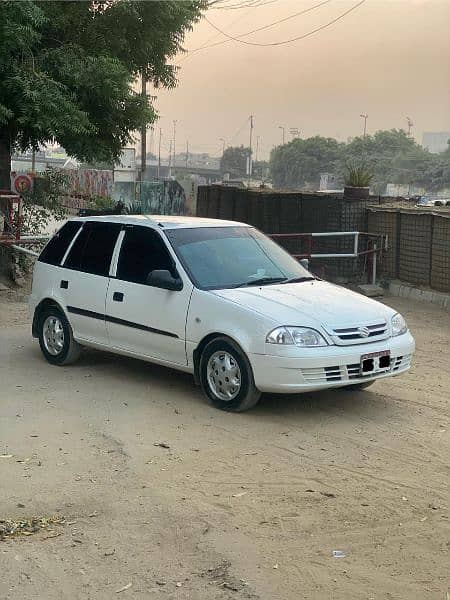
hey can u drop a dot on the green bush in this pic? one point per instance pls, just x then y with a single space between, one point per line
358 175
101 203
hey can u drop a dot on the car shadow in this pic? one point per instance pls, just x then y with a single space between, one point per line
133 368
332 402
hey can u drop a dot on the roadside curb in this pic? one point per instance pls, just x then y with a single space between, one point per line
404 290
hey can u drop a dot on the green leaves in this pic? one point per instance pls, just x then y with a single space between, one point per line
300 162
68 70
234 160
385 157
358 175
43 204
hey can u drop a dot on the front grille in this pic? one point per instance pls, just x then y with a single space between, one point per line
333 373
353 371
402 362
350 372
322 374
344 336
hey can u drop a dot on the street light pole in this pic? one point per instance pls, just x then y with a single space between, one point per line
410 124
174 134
250 151
364 116
159 153
257 148
283 130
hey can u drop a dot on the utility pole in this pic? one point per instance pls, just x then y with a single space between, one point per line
159 153
410 124
152 140
187 153
250 151
364 116
174 144
223 152
295 132
144 129
257 148
170 159
283 132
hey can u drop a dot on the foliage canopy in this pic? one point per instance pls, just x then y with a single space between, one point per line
390 156
68 71
234 160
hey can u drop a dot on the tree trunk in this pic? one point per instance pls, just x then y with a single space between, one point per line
5 160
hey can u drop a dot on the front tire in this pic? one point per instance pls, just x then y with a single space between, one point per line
56 337
226 376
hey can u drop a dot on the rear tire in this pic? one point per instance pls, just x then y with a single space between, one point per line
56 337
226 376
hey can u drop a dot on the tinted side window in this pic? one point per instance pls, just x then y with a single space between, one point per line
54 251
142 251
93 248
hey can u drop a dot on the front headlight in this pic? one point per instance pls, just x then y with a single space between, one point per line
398 325
298 336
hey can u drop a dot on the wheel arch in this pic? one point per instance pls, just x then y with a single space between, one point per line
43 304
202 345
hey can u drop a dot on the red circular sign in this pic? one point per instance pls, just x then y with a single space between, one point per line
22 184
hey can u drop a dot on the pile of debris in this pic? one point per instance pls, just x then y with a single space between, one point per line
11 528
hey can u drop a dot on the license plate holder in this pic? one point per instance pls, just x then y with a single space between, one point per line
375 362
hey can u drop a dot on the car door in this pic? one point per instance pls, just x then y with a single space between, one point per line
140 318
84 278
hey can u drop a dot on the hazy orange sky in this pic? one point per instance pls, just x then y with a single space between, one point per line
387 58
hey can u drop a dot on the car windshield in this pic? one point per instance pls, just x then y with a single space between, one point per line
229 257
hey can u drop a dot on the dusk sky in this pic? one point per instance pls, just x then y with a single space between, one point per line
387 58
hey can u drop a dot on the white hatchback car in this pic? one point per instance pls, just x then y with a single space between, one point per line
214 298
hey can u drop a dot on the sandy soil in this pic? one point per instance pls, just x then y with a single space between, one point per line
239 506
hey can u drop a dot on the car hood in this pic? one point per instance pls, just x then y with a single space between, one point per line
309 303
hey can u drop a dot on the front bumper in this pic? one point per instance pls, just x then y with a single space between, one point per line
327 367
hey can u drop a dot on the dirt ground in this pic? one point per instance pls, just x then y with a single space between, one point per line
238 506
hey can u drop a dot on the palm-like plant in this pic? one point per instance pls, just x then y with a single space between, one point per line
358 175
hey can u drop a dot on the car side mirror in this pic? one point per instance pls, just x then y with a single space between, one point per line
161 278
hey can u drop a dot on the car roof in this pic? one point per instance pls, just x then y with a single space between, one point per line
163 221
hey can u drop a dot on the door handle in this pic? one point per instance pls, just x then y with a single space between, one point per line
118 297
64 284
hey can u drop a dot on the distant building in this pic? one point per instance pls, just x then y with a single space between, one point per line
436 141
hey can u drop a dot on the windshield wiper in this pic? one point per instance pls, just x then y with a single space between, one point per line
300 279
264 281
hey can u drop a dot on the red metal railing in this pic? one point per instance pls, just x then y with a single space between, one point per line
375 243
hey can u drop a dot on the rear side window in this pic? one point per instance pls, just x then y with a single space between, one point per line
142 251
54 251
93 248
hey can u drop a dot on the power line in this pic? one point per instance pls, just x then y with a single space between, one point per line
239 130
213 37
300 37
302 12
238 5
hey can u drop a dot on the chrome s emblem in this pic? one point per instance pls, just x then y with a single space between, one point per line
364 331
